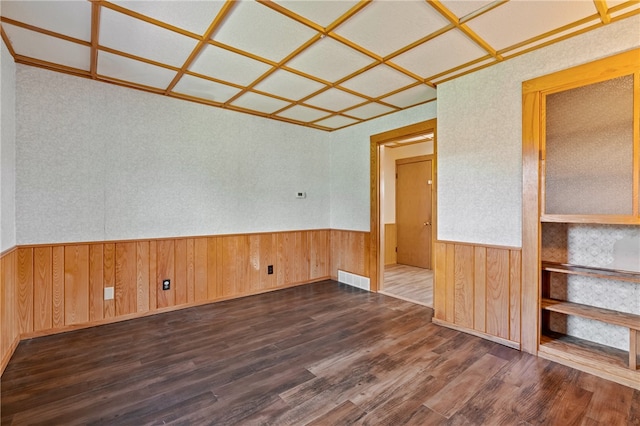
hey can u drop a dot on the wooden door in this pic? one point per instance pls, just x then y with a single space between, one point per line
413 211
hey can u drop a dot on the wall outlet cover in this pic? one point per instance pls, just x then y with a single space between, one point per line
108 293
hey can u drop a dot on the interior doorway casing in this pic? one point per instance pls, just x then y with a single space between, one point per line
376 141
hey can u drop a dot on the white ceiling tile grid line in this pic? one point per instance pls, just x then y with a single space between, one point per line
326 65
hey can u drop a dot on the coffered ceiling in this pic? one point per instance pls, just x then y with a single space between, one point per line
323 64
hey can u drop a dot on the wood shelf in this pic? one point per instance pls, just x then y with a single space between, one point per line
600 360
590 271
622 319
584 348
596 219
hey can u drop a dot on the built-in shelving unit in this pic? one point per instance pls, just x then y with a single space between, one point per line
581 165
609 316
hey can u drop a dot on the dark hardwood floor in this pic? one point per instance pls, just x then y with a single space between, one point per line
321 354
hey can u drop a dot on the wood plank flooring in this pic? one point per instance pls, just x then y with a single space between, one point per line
409 283
319 354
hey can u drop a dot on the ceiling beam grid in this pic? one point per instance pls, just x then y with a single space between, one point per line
217 22
44 31
276 67
601 6
321 33
7 42
451 17
95 34
148 19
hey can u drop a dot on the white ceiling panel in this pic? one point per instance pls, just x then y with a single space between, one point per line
321 12
412 96
369 110
260 103
194 16
228 66
130 35
51 49
205 89
518 21
126 69
329 60
288 85
378 81
384 27
462 8
71 18
257 29
336 122
449 50
335 100
614 3
303 113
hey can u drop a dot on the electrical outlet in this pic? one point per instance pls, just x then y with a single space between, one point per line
270 269
301 195
166 284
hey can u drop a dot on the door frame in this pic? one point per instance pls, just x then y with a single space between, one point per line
409 160
376 270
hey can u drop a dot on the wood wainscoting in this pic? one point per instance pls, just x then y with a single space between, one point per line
9 295
350 251
390 244
477 289
48 289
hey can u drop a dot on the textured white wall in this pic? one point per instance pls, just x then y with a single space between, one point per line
388 157
98 162
101 162
480 136
350 176
7 149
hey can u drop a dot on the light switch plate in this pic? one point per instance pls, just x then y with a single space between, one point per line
108 293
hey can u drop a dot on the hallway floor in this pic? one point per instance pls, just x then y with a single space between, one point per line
409 283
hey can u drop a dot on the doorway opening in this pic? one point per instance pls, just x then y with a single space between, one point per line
403 207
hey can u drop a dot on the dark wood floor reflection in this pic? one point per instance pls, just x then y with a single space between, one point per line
324 354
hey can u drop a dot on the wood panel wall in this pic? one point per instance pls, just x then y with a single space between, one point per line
47 289
9 294
477 289
350 251
390 244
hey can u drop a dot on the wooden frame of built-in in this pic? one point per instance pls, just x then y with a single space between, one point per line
533 154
